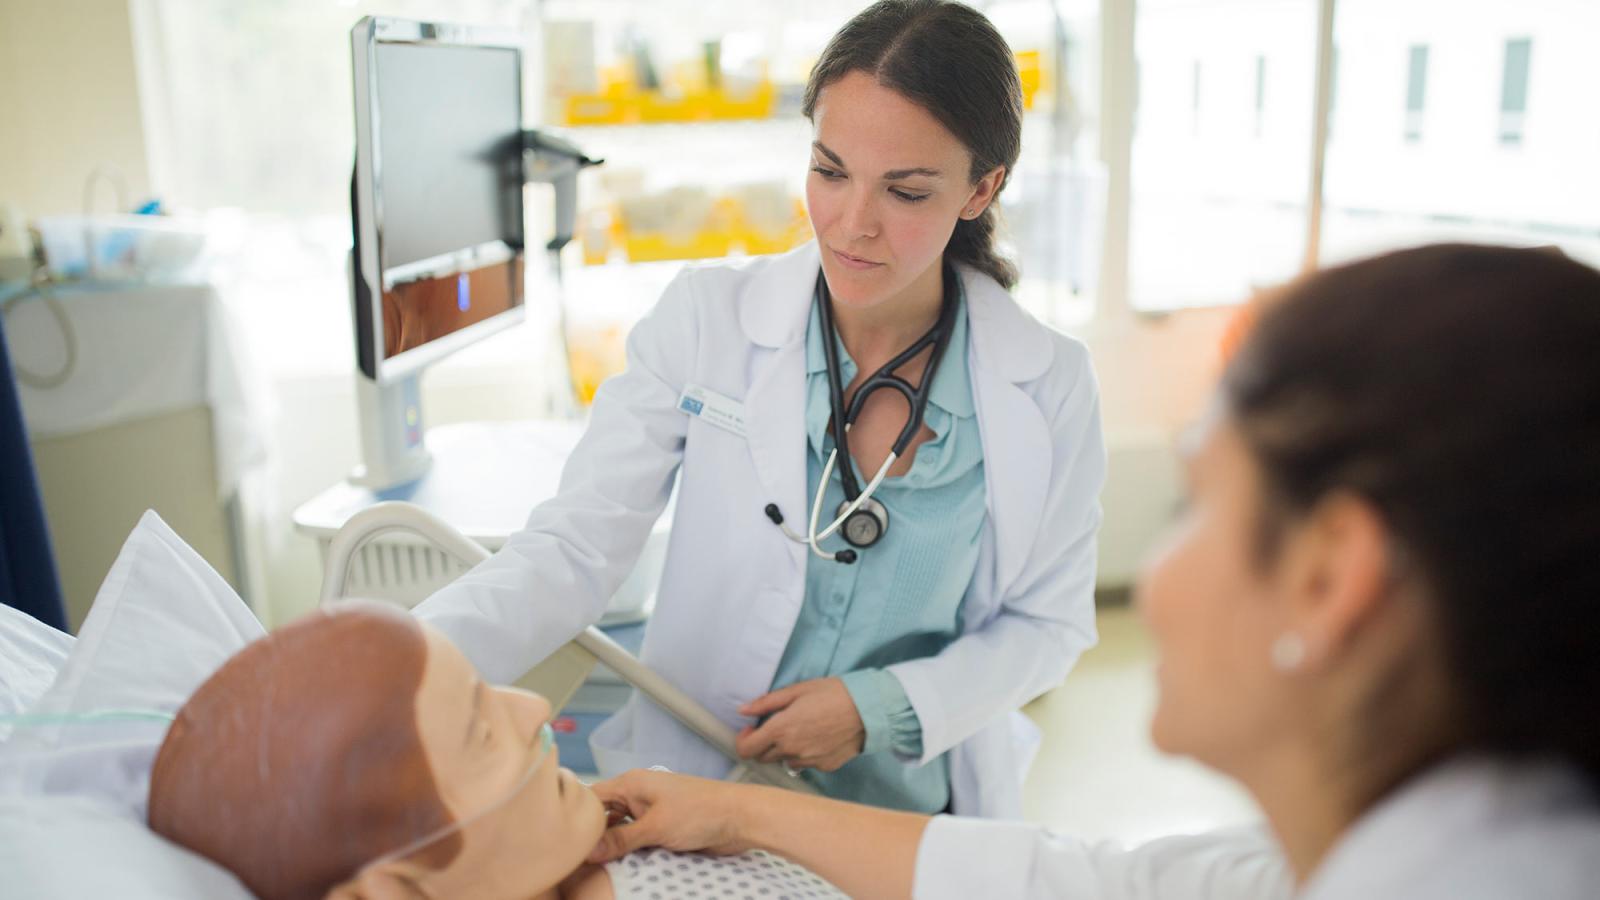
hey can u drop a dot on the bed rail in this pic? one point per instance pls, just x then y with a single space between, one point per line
593 645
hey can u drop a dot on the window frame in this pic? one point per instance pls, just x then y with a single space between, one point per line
1119 95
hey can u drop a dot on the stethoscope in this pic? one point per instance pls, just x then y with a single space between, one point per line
860 519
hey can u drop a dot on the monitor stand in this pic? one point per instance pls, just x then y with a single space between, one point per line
392 449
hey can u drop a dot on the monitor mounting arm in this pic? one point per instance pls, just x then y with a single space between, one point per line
556 161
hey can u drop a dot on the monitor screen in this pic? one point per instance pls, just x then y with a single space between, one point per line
437 194
447 117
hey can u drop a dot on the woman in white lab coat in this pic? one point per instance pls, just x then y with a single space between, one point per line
1380 613
894 679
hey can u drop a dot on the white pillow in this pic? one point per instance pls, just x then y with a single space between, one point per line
163 622
31 653
72 847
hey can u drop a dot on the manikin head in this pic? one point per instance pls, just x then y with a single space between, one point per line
348 735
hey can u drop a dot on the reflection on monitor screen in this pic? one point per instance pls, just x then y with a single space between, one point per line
417 312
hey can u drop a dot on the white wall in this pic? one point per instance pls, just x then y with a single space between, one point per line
69 101
1156 375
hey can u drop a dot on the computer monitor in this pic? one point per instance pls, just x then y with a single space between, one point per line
436 211
436 200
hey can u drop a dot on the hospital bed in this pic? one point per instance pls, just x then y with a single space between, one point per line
558 677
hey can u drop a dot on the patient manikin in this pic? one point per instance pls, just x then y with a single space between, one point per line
356 753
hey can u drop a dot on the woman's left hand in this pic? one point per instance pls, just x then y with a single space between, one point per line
810 724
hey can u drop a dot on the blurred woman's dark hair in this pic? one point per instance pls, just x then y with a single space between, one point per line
949 59
1457 389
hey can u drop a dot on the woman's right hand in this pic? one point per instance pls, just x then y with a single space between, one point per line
678 812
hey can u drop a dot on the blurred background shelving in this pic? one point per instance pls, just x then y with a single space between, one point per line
697 111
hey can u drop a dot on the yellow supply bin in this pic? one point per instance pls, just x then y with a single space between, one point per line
656 106
620 105
758 104
595 353
714 238
659 245
598 109
757 240
1030 70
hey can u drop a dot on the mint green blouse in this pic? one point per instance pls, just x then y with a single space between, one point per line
901 599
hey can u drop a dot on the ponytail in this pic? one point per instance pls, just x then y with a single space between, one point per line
974 244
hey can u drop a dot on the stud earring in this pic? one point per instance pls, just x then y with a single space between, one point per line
1288 652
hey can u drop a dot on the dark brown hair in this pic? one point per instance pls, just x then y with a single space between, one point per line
1457 389
947 58
299 761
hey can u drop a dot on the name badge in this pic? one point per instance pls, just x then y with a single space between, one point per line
713 408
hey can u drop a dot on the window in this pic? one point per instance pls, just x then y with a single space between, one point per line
1194 103
247 106
1416 91
1333 85
1460 184
1514 90
1220 163
1138 90
1054 209
1261 92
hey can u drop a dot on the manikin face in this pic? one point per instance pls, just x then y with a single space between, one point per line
1214 611
886 188
480 742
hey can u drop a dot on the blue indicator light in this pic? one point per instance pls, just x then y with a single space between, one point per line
463 293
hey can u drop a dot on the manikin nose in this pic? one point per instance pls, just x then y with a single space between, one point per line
528 709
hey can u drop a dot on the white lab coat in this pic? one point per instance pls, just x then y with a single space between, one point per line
1471 829
732 584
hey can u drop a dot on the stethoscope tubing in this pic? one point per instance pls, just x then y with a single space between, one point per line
812 537
916 399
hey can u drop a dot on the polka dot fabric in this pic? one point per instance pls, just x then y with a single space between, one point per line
657 874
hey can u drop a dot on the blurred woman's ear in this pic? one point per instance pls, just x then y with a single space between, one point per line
387 881
1340 572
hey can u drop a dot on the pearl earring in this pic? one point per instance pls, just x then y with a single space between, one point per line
1288 652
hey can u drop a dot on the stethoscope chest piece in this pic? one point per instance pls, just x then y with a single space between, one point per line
866 526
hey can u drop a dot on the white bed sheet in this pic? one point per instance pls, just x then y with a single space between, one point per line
31 653
53 846
72 797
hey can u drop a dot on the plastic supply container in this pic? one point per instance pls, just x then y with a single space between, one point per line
121 247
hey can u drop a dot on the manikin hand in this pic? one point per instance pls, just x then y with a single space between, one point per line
809 724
